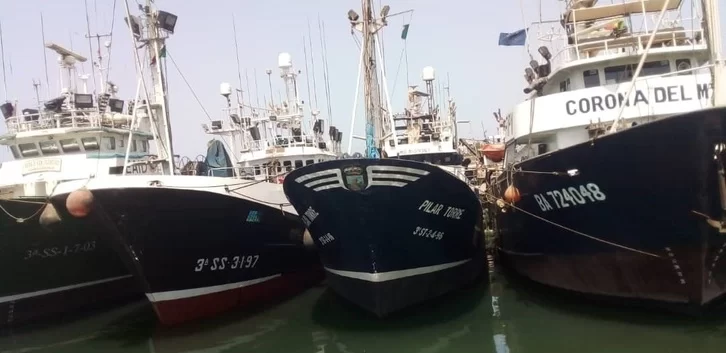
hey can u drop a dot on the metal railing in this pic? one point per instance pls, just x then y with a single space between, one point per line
67 119
629 44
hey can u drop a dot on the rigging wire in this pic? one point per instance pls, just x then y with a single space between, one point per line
113 21
194 94
312 63
90 46
326 75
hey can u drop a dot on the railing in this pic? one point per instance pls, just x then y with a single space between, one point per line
628 44
282 141
66 119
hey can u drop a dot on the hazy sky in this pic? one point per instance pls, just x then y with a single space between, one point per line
458 37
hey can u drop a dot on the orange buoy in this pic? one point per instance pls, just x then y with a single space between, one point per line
511 195
79 203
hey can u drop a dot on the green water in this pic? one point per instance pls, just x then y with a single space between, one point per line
518 319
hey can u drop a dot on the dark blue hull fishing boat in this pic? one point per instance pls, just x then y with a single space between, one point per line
393 232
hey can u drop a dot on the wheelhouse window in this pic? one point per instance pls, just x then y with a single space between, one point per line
618 74
109 143
14 151
298 163
144 146
591 78
287 165
70 145
133 145
624 73
90 143
49 147
309 161
257 170
565 85
29 150
653 68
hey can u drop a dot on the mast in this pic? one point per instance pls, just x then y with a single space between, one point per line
713 38
369 26
157 27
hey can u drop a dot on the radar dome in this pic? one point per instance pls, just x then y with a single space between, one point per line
429 74
284 60
225 89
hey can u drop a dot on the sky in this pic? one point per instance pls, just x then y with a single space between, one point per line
457 37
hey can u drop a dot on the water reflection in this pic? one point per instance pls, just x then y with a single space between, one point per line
499 316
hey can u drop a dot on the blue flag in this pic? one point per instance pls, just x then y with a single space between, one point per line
404 33
514 38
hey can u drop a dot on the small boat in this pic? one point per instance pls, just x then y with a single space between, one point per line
397 231
53 268
199 245
613 181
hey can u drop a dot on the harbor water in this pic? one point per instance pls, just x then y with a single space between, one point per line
501 315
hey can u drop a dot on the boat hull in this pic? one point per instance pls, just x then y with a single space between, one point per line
199 252
635 222
45 273
391 233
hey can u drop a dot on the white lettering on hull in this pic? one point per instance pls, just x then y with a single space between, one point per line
572 196
436 208
224 263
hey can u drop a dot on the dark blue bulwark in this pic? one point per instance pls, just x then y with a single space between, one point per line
381 222
645 193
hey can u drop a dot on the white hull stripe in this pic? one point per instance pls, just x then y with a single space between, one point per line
15 297
391 275
195 292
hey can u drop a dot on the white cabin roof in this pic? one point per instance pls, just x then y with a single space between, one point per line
618 9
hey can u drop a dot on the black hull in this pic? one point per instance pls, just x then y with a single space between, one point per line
48 273
198 253
409 233
639 202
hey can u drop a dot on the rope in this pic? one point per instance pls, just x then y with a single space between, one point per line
575 231
22 219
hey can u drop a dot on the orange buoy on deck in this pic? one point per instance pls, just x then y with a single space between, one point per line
511 195
79 203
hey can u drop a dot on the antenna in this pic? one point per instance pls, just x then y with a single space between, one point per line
257 90
45 58
326 76
2 54
90 46
247 80
269 81
307 76
236 53
312 64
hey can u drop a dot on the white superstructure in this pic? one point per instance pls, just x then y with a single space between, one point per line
586 84
266 143
75 136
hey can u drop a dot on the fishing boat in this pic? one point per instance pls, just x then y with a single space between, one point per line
267 143
398 230
75 136
613 183
198 245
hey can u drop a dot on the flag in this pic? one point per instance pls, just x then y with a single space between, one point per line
514 38
404 33
162 54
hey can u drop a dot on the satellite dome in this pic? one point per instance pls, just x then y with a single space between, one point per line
284 60
429 74
225 89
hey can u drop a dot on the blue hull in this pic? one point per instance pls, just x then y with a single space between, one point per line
391 233
634 222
